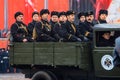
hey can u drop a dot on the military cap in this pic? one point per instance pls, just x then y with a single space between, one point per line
103 32
35 12
62 13
102 11
44 11
81 14
89 13
17 14
54 13
70 12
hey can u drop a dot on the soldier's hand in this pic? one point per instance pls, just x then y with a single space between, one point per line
25 40
61 40
86 39
2 61
79 40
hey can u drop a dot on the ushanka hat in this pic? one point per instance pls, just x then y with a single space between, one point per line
35 12
89 13
44 11
102 11
62 13
17 14
54 13
81 14
70 12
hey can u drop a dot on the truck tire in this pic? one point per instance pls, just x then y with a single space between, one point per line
53 76
41 75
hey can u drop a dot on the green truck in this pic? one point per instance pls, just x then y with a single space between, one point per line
68 60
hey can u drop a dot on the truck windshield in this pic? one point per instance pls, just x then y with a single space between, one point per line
106 38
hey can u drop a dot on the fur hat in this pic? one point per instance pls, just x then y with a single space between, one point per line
17 14
81 14
35 12
62 13
70 12
43 11
102 11
89 13
54 13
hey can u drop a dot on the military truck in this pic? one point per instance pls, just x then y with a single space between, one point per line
68 60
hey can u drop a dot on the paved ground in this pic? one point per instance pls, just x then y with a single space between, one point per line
13 76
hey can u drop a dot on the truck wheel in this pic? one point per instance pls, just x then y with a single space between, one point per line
53 76
41 75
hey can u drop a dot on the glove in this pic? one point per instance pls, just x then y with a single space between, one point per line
86 39
75 39
48 38
51 39
79 40
81 37
61 40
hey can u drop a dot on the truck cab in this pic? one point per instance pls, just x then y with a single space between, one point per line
103 50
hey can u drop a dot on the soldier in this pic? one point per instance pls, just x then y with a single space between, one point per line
31 25
19 30
43 28
87 28
90 19
102 16
74 34
54 18
59 29
116 53
105 39
81 17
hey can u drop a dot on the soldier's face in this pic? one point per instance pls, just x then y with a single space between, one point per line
54 18
45 16
19 18
103 16
106 36
90 18
36 17
71 18
63 18
82 18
